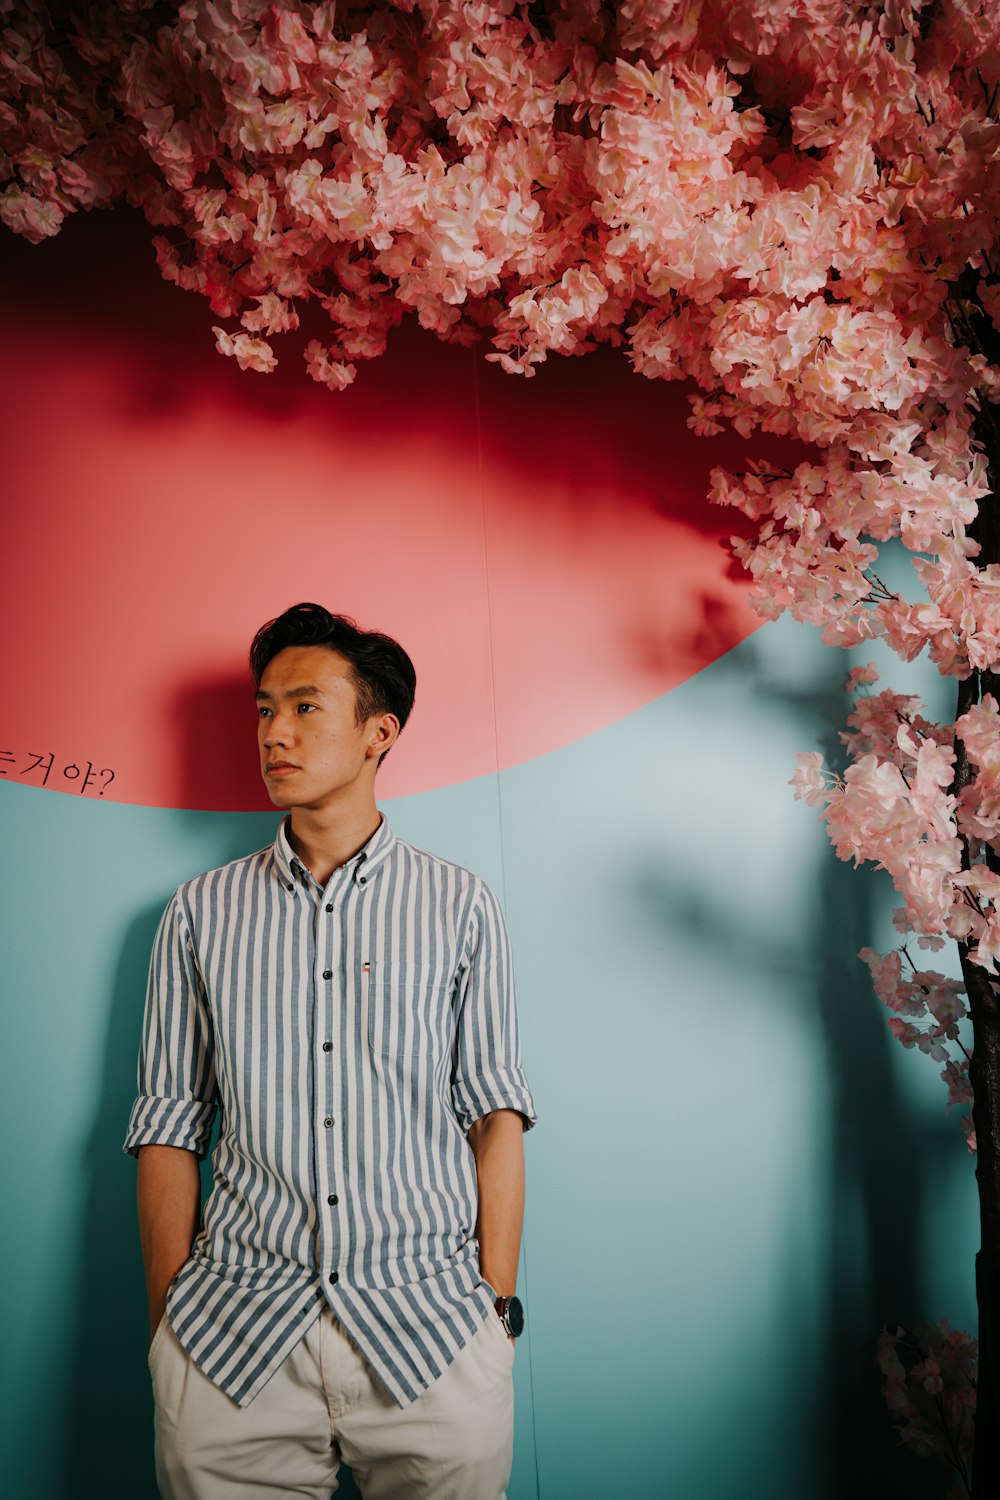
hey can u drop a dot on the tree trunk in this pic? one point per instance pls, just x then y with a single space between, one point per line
983 992
985 1072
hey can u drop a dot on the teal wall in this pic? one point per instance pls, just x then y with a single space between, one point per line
736 1174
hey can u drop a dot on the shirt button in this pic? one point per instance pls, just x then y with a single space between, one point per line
329 906
327 973
334 1275
327 1046
328 1121
332 1198
362 879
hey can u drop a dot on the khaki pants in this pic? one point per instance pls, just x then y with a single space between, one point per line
455 1442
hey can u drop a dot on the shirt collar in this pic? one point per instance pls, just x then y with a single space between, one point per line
363 864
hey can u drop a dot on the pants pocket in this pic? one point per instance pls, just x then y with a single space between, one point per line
157 1336
501 1333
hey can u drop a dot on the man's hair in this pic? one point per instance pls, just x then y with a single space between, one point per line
382 674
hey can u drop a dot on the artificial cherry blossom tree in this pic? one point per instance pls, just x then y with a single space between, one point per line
792 204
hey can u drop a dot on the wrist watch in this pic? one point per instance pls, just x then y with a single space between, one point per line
511 1315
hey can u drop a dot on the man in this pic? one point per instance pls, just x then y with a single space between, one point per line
347 1001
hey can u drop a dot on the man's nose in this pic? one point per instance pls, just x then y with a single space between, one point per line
279 730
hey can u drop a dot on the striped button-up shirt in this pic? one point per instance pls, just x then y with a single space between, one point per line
350 1034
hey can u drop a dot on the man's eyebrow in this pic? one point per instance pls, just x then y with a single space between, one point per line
309 690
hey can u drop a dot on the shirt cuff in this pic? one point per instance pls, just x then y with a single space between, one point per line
169 1122
505 1088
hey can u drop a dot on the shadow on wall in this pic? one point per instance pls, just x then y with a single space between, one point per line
216 717
884 1154
708 630
106 1425
598 422
886 1158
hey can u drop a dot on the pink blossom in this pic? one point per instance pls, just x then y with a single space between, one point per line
332 372
271 315
861 677
979 728
930 1388
956 1076
928 1372
808 779
250 354
32 217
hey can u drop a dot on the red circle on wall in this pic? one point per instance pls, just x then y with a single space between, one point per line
542 548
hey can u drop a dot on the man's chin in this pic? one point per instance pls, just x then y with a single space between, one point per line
281 796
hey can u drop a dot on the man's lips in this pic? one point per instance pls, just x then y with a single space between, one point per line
280 768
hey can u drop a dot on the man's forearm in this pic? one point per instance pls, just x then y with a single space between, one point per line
498 1146
168 1193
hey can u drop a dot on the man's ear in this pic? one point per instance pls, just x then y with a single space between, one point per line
383 734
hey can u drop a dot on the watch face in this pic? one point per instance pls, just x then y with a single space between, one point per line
515 1317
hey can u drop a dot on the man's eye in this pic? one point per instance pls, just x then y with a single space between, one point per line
261 711
307 705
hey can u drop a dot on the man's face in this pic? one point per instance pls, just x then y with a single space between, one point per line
306 722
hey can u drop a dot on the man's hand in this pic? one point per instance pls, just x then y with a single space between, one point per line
168 1193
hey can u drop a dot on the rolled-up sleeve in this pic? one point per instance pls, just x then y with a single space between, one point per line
176 1082
488 1073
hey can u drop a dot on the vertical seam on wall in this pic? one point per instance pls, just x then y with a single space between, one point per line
503 861
489 617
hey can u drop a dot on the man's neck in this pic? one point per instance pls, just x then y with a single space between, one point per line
326 840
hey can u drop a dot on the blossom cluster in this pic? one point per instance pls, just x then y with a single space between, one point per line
894 806
768 198
930 1388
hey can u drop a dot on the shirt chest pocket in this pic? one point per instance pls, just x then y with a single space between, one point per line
410 1026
